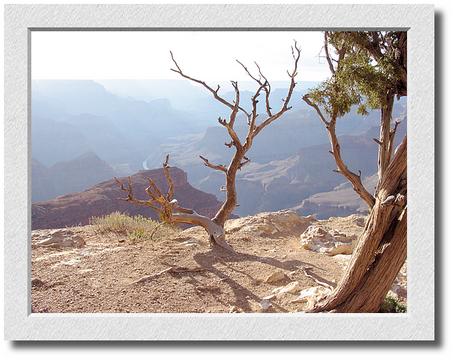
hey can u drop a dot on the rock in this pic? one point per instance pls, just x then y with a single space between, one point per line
234 309
270 224
269 297
345 249
359 221
319 239
399 286
71 262
58 238
84 271
308 297
37 283
190 242
292 288
265 304
276 277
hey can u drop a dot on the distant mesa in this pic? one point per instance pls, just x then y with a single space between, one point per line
341 201
105 198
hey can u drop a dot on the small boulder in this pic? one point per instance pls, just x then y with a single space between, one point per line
59 238
37 283
265 304
359 221
292 288
319 239
345 249
308 297
276 277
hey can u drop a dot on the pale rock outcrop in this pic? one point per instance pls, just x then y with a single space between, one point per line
399 287
291 288
58 238
308 297
270 224
330 241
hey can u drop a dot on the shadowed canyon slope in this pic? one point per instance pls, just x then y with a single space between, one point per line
106 197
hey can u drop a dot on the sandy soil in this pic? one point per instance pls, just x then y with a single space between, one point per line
177 274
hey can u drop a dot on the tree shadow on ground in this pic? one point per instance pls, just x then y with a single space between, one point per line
243 295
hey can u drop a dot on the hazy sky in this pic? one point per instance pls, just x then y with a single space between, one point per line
145 54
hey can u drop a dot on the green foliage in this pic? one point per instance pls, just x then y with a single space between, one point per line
136 228
392 305
359 79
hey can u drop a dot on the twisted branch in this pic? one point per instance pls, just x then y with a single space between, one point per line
239 158
342 168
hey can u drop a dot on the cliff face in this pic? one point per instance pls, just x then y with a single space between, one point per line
105 198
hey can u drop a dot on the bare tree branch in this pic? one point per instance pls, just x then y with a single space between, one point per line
232 133
170 211
296 52
312 104
327 55
267 89
213 166
354 179
214 92
254 99
166 168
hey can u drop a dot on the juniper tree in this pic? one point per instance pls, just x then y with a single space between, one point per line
368 71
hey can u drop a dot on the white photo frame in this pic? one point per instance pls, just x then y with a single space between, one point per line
417 324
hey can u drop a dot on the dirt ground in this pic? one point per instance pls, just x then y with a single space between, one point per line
177 274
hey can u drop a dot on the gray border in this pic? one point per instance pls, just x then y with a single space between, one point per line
417 324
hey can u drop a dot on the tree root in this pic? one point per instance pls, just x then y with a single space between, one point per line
318 279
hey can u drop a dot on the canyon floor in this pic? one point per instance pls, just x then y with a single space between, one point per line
270 271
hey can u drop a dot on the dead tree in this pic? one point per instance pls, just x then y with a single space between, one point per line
166 206
369 65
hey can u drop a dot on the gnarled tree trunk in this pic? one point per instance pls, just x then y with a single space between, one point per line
167 207
382 248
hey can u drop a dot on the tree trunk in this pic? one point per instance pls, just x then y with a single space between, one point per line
384 153
381 250
215 231
230 202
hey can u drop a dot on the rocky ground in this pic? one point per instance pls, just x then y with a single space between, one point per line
283 263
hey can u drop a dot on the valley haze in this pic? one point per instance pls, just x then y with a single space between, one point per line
85 132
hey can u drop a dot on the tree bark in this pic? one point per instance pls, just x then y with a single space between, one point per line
381 250
215 231
230 184
385 150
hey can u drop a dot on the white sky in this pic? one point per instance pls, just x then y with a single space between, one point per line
145 54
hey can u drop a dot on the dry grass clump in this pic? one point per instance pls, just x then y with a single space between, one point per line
137 228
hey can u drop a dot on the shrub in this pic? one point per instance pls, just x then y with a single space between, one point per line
392 305
136 228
